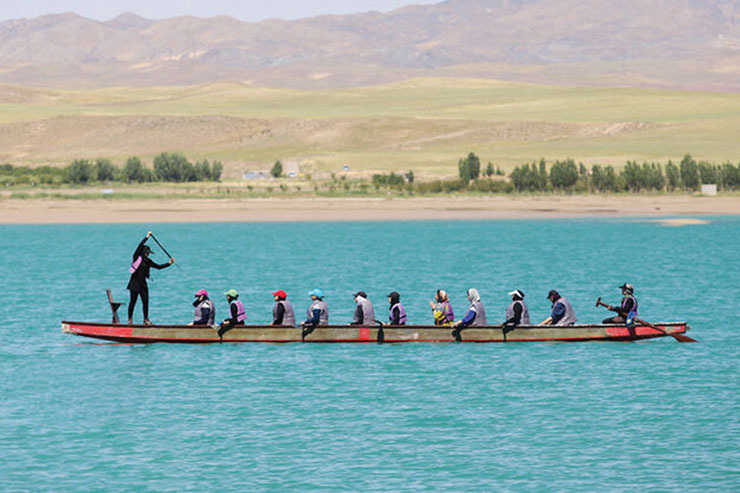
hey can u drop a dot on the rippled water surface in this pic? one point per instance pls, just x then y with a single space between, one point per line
76 414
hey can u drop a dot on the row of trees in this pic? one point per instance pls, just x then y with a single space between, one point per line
561 175
568 176
634 177
168 167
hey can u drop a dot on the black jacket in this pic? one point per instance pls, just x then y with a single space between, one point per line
140 275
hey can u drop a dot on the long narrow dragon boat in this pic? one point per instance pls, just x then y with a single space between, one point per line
363 334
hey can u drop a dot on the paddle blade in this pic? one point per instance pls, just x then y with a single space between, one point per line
683 338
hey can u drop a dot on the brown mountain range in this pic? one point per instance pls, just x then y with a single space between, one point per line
692 44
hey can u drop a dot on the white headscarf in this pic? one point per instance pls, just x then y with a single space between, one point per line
473 296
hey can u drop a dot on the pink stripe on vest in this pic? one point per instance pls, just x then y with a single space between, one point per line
135 265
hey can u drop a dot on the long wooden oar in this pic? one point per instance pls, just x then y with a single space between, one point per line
678 337
163 248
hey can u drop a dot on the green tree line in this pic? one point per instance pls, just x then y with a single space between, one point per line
566 175
688 175
167 167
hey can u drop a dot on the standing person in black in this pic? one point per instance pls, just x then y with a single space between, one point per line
139 274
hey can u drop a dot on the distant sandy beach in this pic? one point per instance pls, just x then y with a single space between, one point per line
43 211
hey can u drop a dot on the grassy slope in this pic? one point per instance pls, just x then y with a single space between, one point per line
424 124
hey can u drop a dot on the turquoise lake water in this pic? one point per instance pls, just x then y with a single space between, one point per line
81 415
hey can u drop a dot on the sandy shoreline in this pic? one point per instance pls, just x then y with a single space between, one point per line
43 211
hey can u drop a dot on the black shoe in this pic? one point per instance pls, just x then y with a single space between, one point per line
306 331
456 334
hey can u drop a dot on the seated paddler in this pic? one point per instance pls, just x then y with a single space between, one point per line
562 311
442 309
364 311
397 313
282 310
318 311
627 309
476 314
205 312
517 312
238 315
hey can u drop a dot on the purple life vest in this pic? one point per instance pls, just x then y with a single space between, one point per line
630 319
402 318
634 304
135 265
241 313
448 311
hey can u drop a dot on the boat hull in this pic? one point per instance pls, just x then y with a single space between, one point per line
188 334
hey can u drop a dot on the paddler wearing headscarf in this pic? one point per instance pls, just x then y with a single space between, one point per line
139 274
476 315
442 309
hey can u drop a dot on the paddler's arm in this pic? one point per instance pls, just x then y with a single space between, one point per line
547 321
395 316
137 252
624 312
230 322
162 266
315 318
437 314
517 318
359 315
280 314
469 318
558 312
205 313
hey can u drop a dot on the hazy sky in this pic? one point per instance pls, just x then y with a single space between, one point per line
250 10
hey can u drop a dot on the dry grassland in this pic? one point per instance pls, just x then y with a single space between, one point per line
420 124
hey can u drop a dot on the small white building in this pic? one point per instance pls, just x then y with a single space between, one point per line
709 189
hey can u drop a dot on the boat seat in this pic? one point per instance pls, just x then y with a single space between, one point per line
114 306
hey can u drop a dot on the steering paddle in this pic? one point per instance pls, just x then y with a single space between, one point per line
163 248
